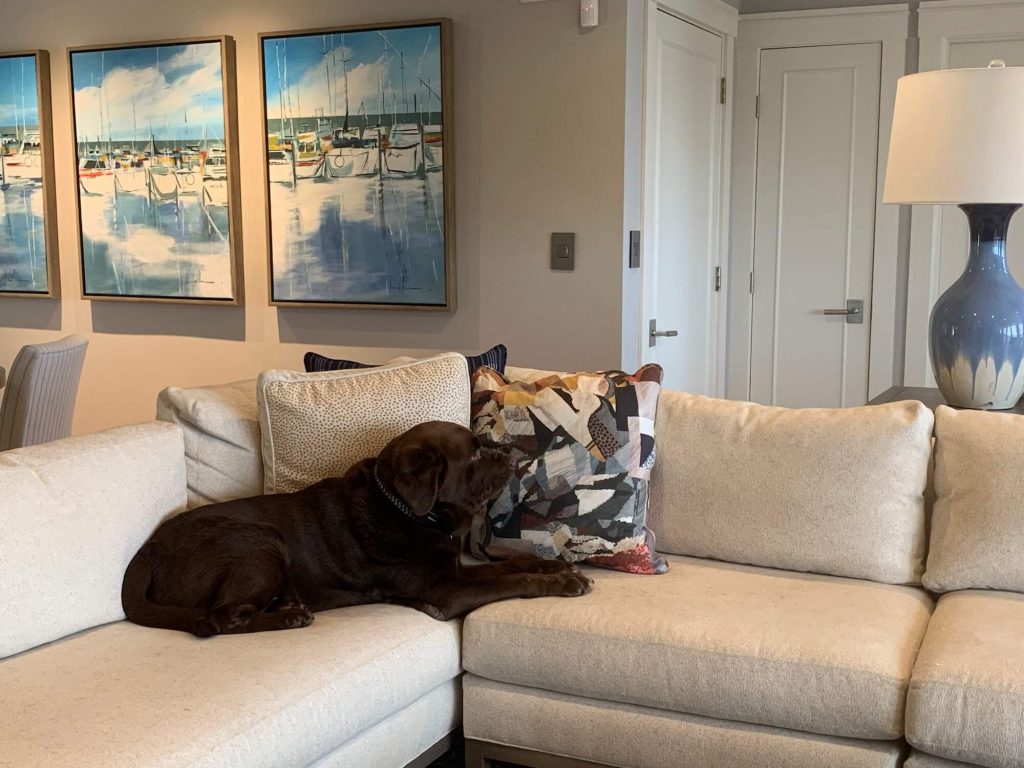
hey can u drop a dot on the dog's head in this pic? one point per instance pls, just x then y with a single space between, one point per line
442 463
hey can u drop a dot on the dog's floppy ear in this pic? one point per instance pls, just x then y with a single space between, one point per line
419 474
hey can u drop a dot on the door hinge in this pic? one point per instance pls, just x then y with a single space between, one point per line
722 96
718 278
751 282
757 107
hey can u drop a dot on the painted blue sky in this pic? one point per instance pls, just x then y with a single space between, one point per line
18 102
313 70
175 89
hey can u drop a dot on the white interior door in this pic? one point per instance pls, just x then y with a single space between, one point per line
682 202
814 224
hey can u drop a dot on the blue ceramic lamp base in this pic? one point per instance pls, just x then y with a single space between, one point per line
977 326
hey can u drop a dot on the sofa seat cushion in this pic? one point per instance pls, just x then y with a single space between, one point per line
812 653
966 699
125 695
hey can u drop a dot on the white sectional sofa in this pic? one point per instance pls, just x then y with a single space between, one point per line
791 630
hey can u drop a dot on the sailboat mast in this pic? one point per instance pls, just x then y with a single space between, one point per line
288 91
24 113
280 89
405 95
14 101
344 70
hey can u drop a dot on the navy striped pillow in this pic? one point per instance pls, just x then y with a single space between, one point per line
494 358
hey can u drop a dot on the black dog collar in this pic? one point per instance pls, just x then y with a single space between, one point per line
430 519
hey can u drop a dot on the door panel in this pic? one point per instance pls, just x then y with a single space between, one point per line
814 223
685 135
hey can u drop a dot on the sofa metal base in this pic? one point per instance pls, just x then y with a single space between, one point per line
436 751
482 754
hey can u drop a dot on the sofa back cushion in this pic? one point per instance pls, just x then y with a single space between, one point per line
72 514
977 539
222 439
834 491
317 425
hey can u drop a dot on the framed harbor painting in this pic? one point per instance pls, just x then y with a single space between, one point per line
28 201
358 166
156 164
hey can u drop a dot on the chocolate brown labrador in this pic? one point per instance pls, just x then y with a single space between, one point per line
389 531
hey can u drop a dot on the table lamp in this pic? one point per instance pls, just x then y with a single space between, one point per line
958 139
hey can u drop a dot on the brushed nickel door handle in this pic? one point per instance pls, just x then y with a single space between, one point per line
654 334
854 311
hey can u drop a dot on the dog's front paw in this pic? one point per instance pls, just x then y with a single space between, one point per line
572 584
296 617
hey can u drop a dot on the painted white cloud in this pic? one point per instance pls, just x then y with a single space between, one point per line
131 100
313 89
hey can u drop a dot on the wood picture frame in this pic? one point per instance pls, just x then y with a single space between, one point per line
202 178
27 185
395 176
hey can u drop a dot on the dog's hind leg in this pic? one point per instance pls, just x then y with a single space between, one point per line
257 598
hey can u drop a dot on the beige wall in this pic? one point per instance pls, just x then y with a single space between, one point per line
539 125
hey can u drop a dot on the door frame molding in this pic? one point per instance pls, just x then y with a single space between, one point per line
722 20
884 24
942 23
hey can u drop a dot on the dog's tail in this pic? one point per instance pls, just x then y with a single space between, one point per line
140 610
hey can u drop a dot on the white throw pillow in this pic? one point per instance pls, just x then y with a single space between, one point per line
222 439
317 425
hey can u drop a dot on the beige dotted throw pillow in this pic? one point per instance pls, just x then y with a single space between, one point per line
317 425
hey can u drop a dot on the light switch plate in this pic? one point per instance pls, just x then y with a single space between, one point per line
634 249
563 250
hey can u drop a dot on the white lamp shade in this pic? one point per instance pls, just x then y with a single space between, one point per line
958 137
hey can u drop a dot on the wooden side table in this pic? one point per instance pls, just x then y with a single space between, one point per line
930 396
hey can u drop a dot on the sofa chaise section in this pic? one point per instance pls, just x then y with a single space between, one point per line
82 688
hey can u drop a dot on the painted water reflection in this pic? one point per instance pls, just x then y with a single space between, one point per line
360 239
22 237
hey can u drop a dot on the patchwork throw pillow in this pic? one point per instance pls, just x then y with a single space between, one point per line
583 448
317 425
495 358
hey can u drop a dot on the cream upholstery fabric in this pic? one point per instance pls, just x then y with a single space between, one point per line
222 439
921 760
811 653
72 514
828 491
978 524
638 737
405 735
124 695
317 425
966 698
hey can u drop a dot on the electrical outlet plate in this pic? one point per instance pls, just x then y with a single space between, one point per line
563 250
